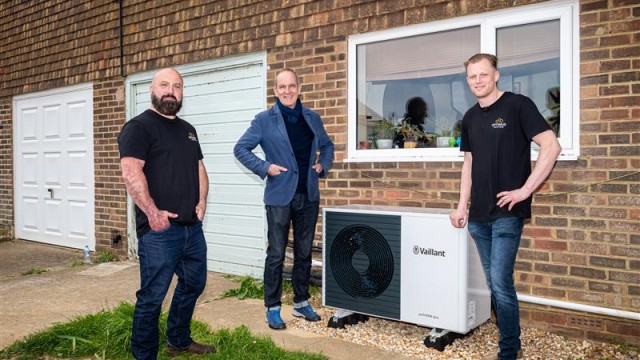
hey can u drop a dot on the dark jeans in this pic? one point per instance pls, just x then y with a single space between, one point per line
303 214
497 242
181 250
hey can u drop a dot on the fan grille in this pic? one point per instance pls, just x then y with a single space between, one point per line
361 261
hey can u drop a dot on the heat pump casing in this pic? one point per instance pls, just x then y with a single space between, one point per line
403 263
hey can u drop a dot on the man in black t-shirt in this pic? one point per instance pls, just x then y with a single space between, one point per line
497 179
164 174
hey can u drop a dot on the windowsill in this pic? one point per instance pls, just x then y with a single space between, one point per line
425 155
405 155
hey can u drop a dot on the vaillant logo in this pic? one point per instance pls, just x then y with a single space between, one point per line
417 250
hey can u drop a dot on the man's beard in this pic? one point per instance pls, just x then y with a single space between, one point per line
169 108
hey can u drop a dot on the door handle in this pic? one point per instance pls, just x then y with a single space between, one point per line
50 192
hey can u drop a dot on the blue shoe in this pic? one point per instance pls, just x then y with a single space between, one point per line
305 310
274 320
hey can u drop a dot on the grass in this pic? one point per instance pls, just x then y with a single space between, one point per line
33 271
75 263
103 256
251 288
106 335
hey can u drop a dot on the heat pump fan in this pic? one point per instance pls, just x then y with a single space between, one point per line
361 262
401 263
363 256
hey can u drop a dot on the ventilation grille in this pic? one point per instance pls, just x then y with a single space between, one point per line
591 324
361 262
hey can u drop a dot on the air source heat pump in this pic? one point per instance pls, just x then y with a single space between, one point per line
403 263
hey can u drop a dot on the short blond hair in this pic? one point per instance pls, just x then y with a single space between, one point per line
493 60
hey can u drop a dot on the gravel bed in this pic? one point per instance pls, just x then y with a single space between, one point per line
407 339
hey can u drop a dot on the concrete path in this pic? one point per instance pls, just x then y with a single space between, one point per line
29 303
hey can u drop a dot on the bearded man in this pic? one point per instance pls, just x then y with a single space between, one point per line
162 168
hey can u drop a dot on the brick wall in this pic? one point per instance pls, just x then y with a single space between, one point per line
583 241
110 200
6 168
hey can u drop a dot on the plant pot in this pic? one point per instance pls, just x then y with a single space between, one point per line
410 144
443 141
384 143
365 144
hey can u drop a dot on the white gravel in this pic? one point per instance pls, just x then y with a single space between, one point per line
407 339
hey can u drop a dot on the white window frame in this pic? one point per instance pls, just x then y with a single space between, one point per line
565 11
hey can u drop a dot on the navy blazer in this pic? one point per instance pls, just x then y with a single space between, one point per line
268 130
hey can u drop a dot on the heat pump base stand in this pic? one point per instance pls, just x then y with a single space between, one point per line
439 338
345 317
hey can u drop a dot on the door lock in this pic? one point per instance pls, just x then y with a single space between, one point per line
50 192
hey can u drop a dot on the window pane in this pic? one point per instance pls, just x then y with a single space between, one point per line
529 62
430 66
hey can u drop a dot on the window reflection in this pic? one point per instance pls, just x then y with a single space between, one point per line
529 62
429 66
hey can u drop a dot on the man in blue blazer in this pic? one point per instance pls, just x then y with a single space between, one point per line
298 152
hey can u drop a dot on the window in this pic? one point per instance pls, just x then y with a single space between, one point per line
392 72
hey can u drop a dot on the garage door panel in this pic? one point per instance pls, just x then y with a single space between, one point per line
222 137
224 101
235 269
221 226
248 210
77 127
234 87
222 76
29 216
78 179
226 191
246 197
231 188
78 230
52 123
228 183
29 168
232 172
52 168
53 218
234 254
210 122
29 127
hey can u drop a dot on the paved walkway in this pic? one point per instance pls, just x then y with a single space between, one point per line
34 302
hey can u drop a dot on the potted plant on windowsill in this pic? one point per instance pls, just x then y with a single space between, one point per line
385 131
411 134
444 135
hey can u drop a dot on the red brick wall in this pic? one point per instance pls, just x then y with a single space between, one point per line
582 245
111 210
6 168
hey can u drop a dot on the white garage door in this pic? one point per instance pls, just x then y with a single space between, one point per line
220 100
53 161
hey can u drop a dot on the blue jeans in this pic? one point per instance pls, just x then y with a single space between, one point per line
181 250
497 242
303 214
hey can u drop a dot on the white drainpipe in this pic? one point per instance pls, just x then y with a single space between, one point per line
555 303
580 307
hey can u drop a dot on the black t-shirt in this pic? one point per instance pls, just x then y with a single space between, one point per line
499 139
171 152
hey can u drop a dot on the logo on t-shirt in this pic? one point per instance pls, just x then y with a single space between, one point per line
192 137
499 123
